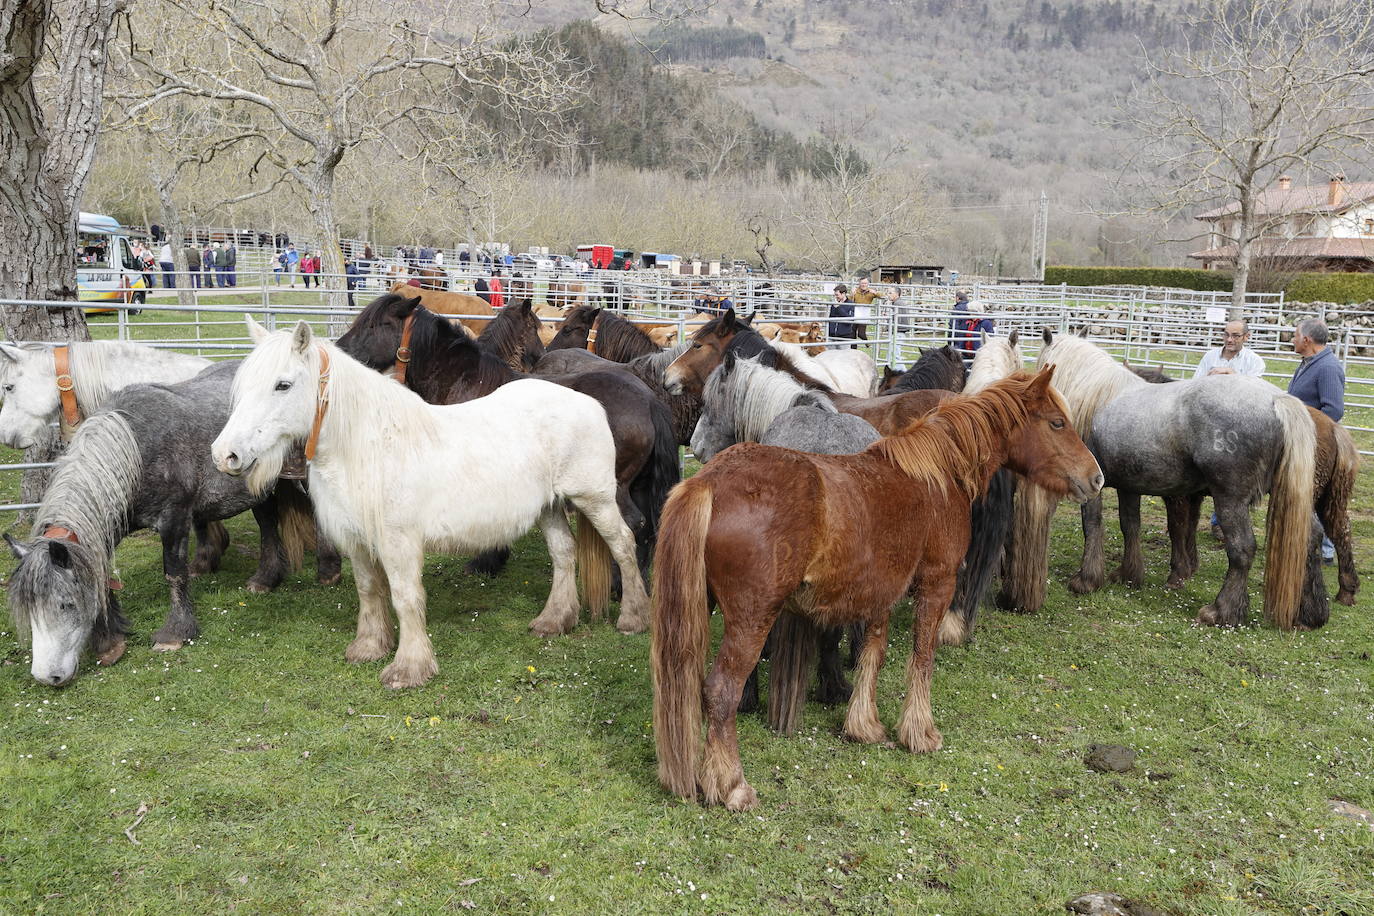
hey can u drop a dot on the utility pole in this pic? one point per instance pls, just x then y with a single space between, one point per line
1040 230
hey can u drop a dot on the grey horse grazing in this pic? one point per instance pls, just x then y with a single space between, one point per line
143 463
746 402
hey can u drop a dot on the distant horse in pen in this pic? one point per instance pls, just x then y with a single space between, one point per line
763 529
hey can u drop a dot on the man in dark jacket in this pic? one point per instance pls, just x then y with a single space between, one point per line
191 254
207 263
1318 382
842 308
231 268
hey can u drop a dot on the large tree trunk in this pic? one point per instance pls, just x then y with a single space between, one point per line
176 229
323 209
45 161
1240 282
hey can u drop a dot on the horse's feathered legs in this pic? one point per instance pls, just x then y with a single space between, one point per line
212 538
414 663
560 610
1132 569
1183 513
375 638
180 625
916 726
1232 603
1091 572
861 721
721 775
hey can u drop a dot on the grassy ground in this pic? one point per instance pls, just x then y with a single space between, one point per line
266 775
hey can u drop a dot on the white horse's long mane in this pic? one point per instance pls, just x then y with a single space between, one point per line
804 362
1086 376
374 432
751 396
102 367
997 358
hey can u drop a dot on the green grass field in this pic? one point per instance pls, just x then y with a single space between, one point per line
256 771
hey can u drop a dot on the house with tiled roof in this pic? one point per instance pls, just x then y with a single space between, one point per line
1310 227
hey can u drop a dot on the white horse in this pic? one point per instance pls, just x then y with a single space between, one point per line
392 477
28 377
997 358
850 372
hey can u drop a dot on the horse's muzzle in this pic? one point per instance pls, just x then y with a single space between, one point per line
230 464
1083 490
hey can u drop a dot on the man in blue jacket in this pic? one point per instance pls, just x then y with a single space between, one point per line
1318 382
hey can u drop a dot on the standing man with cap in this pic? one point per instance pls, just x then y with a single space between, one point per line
1319 382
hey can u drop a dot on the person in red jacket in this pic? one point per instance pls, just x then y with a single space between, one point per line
494 287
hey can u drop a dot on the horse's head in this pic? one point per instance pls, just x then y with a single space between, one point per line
31 401
688 373
889 378
576 329
1045 448
375 334
715 429
276 391
56 596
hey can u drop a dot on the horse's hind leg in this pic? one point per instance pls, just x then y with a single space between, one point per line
271 558
1090 573
1182 513
414 663
833 688
375 638
560 610
489 562
180 625
721 775
634 600
1132 569
1335 518
916 728
861 719
328 561
212 539
1232 603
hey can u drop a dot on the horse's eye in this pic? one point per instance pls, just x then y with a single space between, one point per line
1056 424
9 388
283 385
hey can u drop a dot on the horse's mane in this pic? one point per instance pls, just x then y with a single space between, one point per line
442 352
653 365
753 395
506 335
90 493
802 364
955 442
1155 375
1087 377
934 369
997 358
620 340
100 368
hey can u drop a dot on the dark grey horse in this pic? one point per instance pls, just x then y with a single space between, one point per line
744 401
142 463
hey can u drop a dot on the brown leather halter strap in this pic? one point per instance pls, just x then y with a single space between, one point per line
58 533
403 352
321 406
66 388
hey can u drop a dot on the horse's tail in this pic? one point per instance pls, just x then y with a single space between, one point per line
1290 515
990 523
665 470
1027 562
593 566
1333 506
681 632
794 641
295 523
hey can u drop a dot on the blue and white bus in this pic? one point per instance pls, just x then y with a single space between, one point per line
106 270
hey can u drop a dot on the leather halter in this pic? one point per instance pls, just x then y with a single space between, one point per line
321 406
66 388
58 533
403 352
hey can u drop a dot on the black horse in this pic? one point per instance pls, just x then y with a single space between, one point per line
937 367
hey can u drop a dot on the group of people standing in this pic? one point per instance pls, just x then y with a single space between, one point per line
290 262
214 265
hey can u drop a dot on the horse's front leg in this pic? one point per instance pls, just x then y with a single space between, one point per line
560 610
414 663
1232 603
861 721
180 625
1090 573
271 557
375 638
1132 569
916 727
722 776
1182 513
212 539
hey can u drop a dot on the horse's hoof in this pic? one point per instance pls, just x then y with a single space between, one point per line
1346 598
833 694
1175 582
926 742
332 579
547 625
167 646
1080 586
360 651
258 588
399 675
742 798
631 625
112 654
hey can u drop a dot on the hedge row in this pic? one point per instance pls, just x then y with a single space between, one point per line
1303 287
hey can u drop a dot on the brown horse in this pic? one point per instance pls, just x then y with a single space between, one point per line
443 302
889 414
764 529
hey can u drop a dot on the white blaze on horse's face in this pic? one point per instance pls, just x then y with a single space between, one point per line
275 393
28 384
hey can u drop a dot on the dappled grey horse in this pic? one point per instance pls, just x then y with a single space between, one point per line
143 463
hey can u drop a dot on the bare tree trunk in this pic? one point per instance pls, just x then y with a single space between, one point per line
45 161
325 212
1240 282
171 223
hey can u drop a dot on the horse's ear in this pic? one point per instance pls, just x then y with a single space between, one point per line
982 338
60 556
256 332
1047 335
16 548
302 337
749 319
727 364
1040 385
1013 337
409 305
11 352
729 320
1083 331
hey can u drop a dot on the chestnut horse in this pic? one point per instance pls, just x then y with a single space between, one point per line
764 529
443 302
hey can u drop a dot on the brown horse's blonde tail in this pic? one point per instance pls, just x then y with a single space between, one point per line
681 632
1027 562
1290 515
295 524
1335 509
593 566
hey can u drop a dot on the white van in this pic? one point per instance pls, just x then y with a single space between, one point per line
105 267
